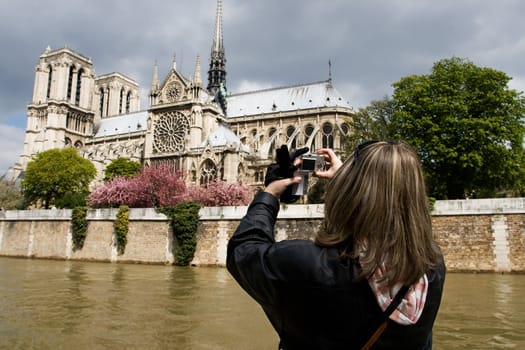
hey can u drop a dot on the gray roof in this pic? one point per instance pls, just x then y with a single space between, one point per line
122 124
313 95
224 137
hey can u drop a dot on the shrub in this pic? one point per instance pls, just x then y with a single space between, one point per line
10 195
184 218
120 227
71 200
121 167
79 226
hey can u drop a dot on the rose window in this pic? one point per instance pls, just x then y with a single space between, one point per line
173 93
170 132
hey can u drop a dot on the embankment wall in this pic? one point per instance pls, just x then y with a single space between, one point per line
474 235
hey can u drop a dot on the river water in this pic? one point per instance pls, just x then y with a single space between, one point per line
84 305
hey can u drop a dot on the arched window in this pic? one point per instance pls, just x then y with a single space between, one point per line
108 98
128 102
208 172
271 151
328 135
101 102
289 132
79 86
345 128
255 141
120 101
240 173
193 174
67 142
308 131
78 145
49 81
70 83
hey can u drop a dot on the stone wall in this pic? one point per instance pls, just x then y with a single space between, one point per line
474 235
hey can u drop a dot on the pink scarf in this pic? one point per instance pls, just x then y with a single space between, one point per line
412 304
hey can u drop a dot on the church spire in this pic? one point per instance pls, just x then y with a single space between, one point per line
217 41
197 76
217 70
155 80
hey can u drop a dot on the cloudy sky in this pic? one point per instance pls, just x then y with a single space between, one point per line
270 43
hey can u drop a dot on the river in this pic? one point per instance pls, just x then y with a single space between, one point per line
84 305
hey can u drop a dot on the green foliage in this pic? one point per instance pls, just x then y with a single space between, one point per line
467 126
71 200
371 123
316 192
184 222
10 195
120 227
79 226
54 173
121 167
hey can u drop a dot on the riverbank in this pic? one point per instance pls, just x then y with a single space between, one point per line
482 235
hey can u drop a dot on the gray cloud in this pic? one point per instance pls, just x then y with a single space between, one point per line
371 44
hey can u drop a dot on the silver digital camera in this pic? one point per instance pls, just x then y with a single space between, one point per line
310 163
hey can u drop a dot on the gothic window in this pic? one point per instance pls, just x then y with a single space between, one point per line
101 102
308 131
193 174
79 86
240 173
49 81
67 142
208 172
120 101
70 83
170 131
345 128
289 132
254 140
128 101
259 176
272 145
78 145
328 136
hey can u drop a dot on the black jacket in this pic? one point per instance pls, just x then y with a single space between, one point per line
312 297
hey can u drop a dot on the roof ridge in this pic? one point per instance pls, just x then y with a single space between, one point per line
278 88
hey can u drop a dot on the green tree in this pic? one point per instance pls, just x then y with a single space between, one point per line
467 126
10 195
317 191
56 173
121 167
370 123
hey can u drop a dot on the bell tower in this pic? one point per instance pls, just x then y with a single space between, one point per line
60 113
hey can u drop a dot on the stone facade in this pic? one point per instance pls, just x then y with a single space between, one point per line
205 132
474 235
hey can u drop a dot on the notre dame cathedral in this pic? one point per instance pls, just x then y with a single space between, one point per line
205 132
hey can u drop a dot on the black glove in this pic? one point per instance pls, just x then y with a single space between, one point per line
283 169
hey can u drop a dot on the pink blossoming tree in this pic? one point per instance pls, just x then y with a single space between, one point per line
162 186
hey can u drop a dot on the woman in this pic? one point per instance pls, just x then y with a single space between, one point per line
339 291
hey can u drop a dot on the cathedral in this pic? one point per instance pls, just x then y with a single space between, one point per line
204 131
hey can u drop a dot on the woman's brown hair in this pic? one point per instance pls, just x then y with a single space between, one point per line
377 210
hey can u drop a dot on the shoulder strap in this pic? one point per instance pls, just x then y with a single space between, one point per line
393 305
395 302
